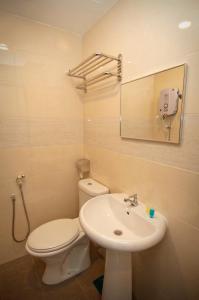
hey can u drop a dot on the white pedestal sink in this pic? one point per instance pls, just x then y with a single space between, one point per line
121 229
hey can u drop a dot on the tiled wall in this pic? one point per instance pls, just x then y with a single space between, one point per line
164 176
41 125
41 133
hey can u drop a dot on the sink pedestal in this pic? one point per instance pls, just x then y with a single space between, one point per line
118 276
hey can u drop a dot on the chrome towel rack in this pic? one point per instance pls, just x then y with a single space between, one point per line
94 62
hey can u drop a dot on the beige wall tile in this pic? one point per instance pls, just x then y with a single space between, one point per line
171 265
164 176
105 132
41 132
12 101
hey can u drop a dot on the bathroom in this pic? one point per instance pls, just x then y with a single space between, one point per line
47 125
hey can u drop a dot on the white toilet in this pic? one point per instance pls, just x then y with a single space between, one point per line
62 244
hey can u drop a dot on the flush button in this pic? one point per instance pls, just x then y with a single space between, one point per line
89 183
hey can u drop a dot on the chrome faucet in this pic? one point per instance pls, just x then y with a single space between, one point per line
133 200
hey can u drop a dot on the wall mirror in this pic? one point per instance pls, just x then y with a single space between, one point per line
151 106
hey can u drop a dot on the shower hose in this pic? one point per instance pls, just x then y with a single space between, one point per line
14 214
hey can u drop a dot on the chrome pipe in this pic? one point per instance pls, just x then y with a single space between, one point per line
91 64
95 66
90 60
110 56
86 65
81 77
101 75
83 62
96 79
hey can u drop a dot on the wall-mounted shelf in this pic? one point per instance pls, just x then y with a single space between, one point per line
91 65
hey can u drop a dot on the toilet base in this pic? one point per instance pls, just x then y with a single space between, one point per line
67 264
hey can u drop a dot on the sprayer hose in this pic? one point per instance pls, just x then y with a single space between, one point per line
26 215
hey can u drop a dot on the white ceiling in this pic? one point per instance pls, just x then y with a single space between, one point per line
77 16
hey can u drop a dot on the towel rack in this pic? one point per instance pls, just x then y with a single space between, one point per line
92 64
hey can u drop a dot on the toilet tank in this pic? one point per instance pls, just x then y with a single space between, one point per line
89 188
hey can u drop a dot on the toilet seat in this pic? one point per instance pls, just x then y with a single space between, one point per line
53 235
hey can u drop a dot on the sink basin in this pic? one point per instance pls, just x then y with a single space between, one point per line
107 221
121 229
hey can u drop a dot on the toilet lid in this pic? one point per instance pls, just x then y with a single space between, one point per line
53 235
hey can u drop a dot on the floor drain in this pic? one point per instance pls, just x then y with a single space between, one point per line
117 232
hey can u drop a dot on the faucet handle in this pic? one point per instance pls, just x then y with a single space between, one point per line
134 198
126 199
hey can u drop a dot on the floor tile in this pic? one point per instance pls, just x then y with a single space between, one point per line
21 280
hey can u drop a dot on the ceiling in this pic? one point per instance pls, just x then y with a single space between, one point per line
77 16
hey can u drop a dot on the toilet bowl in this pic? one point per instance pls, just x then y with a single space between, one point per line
62 244
69 257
